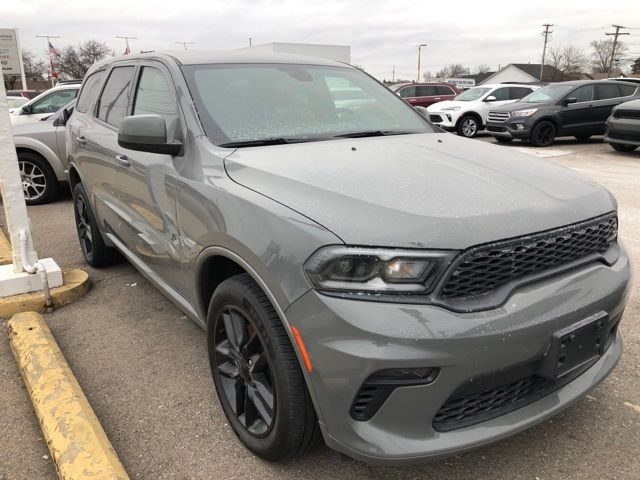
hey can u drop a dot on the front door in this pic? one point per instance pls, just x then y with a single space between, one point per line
146 182
580 118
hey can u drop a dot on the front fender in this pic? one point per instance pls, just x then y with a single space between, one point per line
28 143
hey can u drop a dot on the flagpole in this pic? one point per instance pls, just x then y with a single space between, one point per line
49 37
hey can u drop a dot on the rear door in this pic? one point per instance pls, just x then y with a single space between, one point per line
580 118
425 96
444 92
145 184
608 96
95 136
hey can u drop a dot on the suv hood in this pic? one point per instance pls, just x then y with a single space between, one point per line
420 190
512 107
437 107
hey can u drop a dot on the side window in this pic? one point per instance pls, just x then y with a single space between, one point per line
113 102
627 90
54 101
88 91
607 90
154 95
518 92
408 92
443 90
584 93
501 93
425 90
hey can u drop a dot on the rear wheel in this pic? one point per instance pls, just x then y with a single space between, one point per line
543 134
256 372
621 147
468 126
39 182
96 253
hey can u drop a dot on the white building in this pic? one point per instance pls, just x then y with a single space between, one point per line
523 73
338 53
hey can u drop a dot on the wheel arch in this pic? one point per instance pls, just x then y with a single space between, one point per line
43 151
471 113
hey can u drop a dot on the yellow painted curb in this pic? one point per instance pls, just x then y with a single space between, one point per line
76 284
78 445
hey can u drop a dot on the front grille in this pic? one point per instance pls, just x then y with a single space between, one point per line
633 137
435 118
464 411
626 113
498 117
481 270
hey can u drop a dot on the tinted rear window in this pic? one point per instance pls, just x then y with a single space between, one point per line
115 96
88 91
444 90
608 90
426 90
627 90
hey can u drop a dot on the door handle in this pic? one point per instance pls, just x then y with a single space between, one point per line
123 160
81 140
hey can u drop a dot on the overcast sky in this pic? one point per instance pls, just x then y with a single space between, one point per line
382 34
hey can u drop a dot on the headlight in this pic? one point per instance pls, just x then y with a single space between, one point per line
524 113
451 108
352 269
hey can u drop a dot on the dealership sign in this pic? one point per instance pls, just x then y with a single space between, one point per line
9 53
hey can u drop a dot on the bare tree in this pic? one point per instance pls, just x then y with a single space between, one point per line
452 70
34 69
74 62
601 54
482 68
635 67
426 76
568 61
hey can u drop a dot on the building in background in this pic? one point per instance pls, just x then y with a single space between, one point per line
523 73
338 53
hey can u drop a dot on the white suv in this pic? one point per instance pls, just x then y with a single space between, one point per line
467 113
45 104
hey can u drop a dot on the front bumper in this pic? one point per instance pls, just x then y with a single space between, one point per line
622 130
445 119
514 127
348 340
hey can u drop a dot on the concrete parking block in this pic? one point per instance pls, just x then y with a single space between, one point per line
78 445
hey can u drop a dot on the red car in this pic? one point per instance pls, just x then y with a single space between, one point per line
425 94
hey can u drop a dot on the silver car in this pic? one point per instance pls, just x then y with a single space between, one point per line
42 157
401 292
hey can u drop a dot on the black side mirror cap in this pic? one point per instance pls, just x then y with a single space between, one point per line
147 133
26 109
570 100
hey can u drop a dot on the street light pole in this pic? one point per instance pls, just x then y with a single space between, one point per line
419 57
49 37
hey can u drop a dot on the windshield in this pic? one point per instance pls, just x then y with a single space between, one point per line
472 94
15 102
549 93
249 103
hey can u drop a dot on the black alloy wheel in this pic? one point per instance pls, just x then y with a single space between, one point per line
543 134
245 371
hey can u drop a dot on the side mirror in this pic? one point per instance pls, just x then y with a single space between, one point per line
63 117
26 110
490 98
146 133
569 100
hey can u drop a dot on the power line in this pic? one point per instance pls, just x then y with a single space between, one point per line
615 34
545 34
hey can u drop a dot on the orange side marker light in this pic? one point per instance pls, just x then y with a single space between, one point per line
303 349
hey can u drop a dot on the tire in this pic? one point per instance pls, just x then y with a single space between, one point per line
96 253
284 422
39 182
503 139
468 126
583 138
621 147
543 134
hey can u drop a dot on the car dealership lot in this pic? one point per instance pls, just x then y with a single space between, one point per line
144 368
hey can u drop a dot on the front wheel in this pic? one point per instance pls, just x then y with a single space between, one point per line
468 126
256 373
621 147
543 134
39 182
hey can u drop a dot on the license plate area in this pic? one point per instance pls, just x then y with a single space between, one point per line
575 346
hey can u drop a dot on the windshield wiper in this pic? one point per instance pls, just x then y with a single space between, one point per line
373 133
255 143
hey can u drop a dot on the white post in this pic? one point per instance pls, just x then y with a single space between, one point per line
22 74
15 208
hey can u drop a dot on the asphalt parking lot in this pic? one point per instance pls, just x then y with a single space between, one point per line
144 369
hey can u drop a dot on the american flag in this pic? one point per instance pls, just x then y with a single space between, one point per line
53 50
126 50
54 74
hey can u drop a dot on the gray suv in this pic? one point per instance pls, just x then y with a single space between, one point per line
401 292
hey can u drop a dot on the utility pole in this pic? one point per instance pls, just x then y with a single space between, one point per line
545 34
185 43
615 34
249 41
126 38
419 55
49 37
393 74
